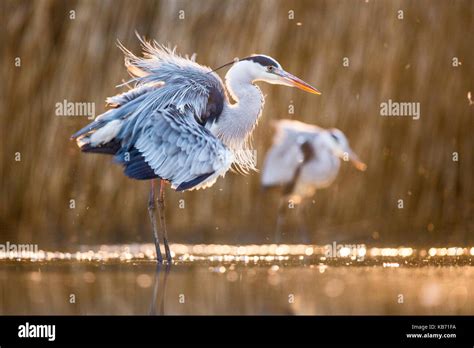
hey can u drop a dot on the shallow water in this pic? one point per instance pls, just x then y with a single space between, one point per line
232 280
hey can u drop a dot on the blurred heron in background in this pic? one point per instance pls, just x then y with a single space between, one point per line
178 124
302 159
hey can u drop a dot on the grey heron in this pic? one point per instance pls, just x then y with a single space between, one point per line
302 159
180 124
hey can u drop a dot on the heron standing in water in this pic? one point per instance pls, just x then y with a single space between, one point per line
302 159
178 125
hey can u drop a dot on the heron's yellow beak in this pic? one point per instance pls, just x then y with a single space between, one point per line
296 82
357 162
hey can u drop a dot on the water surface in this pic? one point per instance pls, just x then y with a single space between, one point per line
235 281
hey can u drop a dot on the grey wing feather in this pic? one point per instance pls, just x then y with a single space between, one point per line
164 79
181 151
187 84
126 97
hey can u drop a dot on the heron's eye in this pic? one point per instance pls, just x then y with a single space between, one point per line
270 68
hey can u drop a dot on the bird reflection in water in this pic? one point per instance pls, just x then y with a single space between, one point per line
159 289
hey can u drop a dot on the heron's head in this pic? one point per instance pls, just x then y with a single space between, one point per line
259 67
340 146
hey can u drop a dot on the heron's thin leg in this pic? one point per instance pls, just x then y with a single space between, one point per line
161 206
303 227
151 212
280 219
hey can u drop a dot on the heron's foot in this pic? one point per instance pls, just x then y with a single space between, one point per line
278 237
159 256
304 235
305 240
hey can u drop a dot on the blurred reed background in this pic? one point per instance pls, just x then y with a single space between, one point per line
403 60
